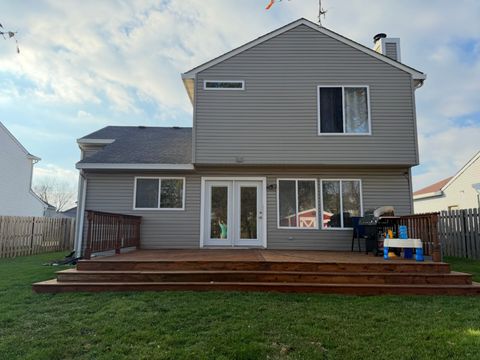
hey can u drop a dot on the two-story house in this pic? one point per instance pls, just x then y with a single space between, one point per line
293 134
16 163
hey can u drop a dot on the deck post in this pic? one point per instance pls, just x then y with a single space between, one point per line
118 243
88 248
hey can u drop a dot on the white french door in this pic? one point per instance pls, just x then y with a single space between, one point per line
234 213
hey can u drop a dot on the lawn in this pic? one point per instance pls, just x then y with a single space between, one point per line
188 325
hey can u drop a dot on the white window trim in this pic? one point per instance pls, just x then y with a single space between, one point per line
159 178
319 133
224 81
233 179
341 203
315 180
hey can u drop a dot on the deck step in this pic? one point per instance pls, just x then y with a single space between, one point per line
53 286
348 267
205 276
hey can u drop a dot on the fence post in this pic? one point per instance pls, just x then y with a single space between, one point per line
437 246
32 235
465 237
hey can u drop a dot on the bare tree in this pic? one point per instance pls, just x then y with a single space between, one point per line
57 193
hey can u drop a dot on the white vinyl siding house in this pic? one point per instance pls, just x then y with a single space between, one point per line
16 195
461 191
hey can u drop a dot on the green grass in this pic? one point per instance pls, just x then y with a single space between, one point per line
465 265
188 325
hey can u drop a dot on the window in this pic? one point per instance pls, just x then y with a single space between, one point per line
343 110
297 203
159 193
224 85
341 200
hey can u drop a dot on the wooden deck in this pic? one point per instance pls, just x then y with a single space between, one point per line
260 270
249 255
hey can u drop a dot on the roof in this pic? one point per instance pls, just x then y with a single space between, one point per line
416 74
72 212
437 188
137 145
433 188
22 148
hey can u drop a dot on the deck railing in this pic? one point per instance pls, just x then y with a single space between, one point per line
109 231
424 227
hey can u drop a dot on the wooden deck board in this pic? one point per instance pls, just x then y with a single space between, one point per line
250 255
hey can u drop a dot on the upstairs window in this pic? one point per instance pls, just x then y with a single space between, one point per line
159 193
224 85
343 110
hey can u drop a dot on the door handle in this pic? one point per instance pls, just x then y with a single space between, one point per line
260 215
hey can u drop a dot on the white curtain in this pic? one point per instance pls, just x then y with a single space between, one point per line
356 111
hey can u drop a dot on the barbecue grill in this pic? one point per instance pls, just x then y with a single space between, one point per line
375 223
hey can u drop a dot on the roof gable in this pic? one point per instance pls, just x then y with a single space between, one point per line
19 145
433 188
475 158
416 75
437 188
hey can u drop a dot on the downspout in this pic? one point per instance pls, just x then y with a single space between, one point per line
82 192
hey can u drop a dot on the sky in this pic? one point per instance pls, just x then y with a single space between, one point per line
87 64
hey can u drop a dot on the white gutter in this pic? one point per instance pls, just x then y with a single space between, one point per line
95 141
82 192
427 195
100 166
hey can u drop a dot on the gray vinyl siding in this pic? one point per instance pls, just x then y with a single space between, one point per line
391 50
274 120
89 150
160 228
181 229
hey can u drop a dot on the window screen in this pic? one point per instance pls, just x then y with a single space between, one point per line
341 200
159 193
343 110
331 115
297 204
147 193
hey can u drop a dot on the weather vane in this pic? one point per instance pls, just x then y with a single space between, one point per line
321 10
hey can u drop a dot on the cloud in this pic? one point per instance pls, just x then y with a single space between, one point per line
445 152
51 171
119 62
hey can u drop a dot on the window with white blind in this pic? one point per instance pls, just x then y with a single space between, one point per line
343 110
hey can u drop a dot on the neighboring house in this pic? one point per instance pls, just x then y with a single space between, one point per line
70 213
298 125
50 211
16 195
461 191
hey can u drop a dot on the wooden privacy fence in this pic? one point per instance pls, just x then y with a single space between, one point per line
20 236
109 231
424 227
459 232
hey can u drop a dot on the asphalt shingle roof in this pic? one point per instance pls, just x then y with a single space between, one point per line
143 145
434 187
